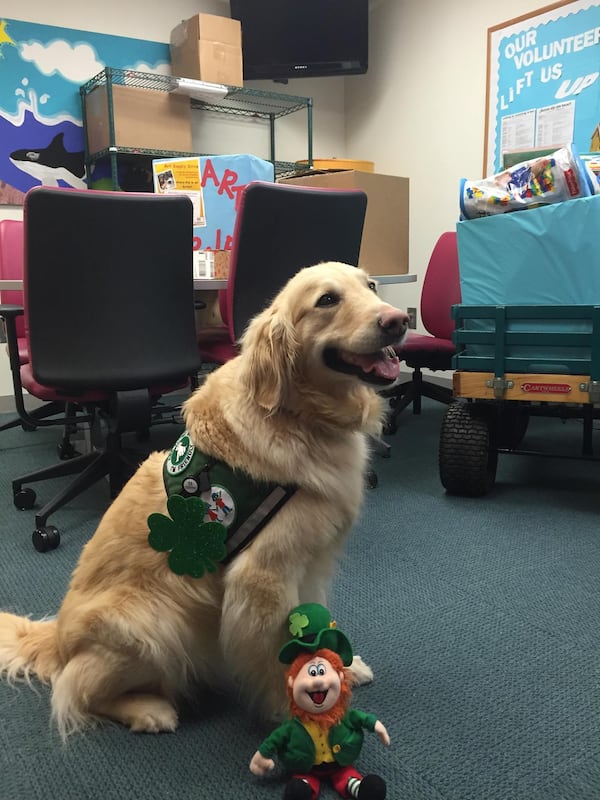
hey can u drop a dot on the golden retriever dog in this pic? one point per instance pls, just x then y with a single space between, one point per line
136 635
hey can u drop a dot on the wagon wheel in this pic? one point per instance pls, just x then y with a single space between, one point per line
467 454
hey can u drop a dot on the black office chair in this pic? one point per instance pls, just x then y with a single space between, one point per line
280 228
109 322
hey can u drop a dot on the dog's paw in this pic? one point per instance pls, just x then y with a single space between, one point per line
360 673
152 715
151 723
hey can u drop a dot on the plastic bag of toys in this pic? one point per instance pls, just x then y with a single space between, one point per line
552 178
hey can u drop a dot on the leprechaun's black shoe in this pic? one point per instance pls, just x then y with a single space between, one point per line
372 787
297 789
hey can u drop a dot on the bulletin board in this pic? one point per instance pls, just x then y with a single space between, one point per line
543 82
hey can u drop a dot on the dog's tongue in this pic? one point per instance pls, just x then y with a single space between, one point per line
382 363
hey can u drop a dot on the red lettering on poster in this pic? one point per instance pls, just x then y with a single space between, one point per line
227 245
229 179
209 173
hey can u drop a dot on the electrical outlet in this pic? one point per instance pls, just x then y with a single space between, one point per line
412 313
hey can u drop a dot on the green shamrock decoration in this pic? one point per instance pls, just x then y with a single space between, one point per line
297 622
194 545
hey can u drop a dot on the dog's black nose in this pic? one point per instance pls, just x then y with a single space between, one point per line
393 320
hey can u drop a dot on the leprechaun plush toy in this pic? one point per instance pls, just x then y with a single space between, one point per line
323 736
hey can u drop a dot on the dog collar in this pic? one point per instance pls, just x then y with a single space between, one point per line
215 511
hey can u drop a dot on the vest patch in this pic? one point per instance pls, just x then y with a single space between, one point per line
230 498
181 455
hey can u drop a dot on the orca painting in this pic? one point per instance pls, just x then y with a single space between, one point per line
41 70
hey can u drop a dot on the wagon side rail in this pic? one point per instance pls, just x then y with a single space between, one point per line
544 353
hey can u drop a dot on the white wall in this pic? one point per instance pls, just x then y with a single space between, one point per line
420 109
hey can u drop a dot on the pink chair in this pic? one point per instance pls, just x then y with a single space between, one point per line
11 268
432 350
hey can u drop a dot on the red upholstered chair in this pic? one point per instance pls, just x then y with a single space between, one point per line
279 229
108 290
432 350
11 268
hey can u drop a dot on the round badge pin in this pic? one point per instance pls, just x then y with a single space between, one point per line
181 455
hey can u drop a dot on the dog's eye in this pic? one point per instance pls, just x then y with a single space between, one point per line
373 286
328 299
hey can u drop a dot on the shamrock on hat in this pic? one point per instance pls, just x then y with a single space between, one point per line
312 628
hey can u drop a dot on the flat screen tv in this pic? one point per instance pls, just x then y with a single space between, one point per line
284 39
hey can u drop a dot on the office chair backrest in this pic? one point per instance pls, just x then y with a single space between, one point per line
11 264
441 287
281 228
109 288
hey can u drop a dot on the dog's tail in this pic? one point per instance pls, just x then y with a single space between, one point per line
28 649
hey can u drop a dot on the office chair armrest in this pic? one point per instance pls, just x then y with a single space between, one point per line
9 313
11 310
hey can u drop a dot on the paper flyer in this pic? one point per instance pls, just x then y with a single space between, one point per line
181 176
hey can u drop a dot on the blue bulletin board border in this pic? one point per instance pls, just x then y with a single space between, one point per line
543 81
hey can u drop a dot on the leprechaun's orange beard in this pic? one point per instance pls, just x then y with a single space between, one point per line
303 678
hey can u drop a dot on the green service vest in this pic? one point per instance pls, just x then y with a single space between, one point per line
241 504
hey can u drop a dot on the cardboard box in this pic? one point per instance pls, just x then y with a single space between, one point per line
208 48
384 246
143 119
221 264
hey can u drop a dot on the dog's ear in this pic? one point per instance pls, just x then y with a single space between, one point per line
270 351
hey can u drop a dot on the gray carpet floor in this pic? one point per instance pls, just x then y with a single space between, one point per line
478 616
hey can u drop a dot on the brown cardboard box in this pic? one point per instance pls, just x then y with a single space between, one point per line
384 246
208 48
143 118
221 264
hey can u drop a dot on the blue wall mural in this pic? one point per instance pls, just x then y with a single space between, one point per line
41 70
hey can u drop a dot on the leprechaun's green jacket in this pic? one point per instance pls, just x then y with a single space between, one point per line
292 743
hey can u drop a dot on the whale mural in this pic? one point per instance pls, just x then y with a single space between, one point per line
41 70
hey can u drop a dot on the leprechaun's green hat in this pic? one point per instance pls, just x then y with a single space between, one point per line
312 628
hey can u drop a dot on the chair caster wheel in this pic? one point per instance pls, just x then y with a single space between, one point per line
66 451
46 538
371 479
24 499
